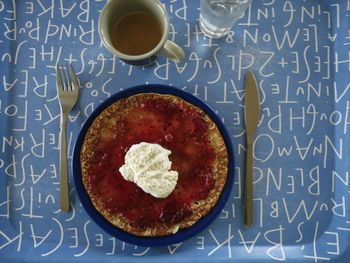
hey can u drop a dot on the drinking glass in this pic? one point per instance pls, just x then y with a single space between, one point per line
218 16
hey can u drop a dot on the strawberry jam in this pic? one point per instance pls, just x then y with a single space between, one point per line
178 128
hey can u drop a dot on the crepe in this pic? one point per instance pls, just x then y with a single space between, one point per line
198 154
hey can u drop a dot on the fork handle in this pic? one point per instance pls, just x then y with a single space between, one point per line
64 193
248 191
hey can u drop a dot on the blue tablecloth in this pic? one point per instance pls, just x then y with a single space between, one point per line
299 51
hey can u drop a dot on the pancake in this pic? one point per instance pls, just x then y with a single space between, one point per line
198 154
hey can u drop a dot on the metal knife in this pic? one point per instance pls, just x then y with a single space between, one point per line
252 117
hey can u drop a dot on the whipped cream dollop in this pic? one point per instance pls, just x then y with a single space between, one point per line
148 165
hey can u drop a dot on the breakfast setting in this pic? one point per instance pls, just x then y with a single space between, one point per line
169 131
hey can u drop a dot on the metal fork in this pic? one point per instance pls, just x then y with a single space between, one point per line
68 92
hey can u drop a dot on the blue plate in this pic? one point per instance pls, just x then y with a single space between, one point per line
181 234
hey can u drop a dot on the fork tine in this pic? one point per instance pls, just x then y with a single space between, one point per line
65 82
74 79
69 83
58 78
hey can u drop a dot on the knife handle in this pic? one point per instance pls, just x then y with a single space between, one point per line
248 191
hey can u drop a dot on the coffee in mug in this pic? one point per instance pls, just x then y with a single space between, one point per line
136 34
137 30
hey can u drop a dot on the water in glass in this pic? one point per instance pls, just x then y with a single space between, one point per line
218 16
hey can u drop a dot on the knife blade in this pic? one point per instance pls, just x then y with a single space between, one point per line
252 117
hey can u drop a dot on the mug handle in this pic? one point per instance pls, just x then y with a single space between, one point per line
172 51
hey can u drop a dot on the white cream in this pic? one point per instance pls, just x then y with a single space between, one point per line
148 165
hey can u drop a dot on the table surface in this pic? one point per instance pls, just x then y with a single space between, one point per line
299 51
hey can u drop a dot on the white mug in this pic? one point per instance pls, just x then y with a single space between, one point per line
115 10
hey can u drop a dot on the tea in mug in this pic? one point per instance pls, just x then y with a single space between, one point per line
137 33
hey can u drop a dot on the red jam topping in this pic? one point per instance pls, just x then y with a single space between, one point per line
179 129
